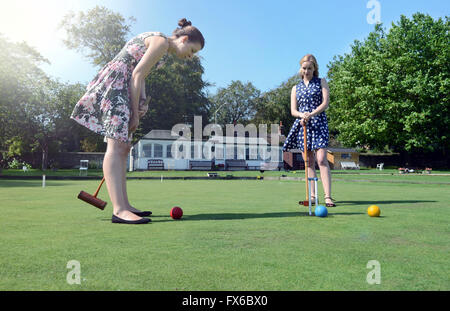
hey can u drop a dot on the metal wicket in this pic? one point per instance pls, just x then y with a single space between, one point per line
312 180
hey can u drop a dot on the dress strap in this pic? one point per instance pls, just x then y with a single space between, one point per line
152 33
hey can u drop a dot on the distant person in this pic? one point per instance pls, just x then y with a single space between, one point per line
114 103
309 100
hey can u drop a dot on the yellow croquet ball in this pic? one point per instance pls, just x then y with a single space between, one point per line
373 211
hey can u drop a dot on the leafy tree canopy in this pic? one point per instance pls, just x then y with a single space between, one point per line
392 90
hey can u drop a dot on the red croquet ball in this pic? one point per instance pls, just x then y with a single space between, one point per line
176 212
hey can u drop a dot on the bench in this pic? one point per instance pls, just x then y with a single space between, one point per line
200 165
349 165
253 167
212 175
236 165
155 165
270 166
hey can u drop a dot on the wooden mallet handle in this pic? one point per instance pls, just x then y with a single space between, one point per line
305 148
99 186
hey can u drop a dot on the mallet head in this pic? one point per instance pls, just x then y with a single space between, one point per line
88 198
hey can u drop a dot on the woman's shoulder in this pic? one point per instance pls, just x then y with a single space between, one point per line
296 87
147 34
322 82
154 36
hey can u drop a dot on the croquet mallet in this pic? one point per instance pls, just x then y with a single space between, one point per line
92 199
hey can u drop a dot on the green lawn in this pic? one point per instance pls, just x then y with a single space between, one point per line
234 235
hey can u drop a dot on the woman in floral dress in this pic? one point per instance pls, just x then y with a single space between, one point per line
114 103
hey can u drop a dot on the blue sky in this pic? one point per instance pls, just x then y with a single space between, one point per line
253 41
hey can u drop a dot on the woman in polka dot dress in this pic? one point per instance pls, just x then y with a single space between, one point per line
309 100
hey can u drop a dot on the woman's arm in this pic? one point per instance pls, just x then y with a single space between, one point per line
294 111
143 101
157 48
143 95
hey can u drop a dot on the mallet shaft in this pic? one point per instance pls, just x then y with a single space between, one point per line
99 186
305 152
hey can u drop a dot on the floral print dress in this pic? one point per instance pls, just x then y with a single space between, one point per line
105 108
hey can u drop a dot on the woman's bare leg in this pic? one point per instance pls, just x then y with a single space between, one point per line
124 187
114 168
325 173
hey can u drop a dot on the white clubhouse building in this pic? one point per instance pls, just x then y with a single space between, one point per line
167 150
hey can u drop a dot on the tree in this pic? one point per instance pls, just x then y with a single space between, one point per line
392 90
99 34
21 82
177 92
34 109
47 128
275 105
20 77
234 104
69 133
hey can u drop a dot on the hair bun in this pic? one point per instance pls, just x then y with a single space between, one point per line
184 23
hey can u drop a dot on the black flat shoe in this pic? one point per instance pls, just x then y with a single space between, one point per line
117 220
143 214
329 204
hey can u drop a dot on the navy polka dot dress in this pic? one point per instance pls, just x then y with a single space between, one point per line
309 98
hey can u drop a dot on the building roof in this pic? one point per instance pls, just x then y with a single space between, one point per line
161 134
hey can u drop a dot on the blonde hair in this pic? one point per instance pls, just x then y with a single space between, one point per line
312 59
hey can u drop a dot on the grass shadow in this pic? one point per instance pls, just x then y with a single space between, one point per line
357 202
234 216
331 214
226 216
240 216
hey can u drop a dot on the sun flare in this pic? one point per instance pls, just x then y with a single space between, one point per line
35 22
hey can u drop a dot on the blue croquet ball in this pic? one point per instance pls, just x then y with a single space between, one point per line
321 211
